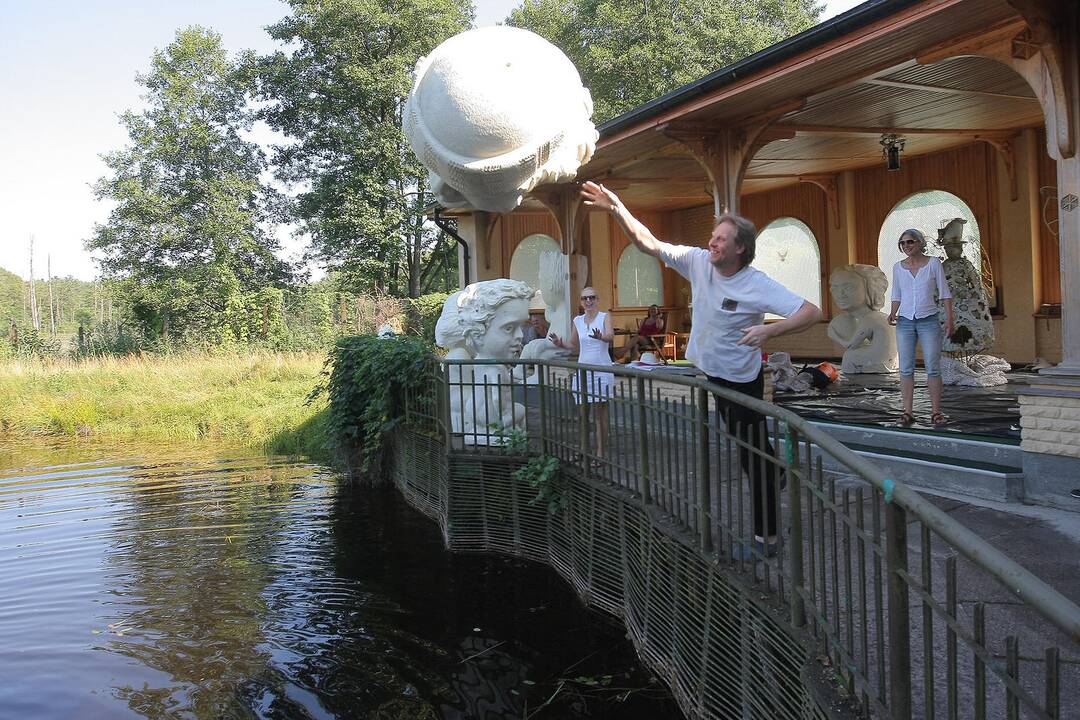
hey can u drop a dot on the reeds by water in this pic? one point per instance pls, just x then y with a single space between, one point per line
250 400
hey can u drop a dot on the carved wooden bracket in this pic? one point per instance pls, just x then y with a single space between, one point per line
564 202
1004 146
1046 55
827 183
725 153
484 227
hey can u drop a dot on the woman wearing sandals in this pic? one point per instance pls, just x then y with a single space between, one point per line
592 333
915 281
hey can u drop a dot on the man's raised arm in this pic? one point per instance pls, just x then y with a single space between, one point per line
598 196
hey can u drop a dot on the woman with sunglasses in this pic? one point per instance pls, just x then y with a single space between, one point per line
591 334
915 281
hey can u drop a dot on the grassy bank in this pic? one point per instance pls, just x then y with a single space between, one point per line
251 400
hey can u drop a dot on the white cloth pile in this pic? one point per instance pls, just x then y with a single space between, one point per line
978 371
785 376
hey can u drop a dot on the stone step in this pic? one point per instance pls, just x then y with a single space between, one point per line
937 462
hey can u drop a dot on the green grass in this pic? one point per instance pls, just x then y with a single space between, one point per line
250 400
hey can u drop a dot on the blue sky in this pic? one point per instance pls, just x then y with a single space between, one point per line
68 69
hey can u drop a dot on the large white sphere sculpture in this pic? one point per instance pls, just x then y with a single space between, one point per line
493 113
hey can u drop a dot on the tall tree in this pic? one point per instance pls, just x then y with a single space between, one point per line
629 52
337 92
189 229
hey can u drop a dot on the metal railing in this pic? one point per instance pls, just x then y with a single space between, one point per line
913 613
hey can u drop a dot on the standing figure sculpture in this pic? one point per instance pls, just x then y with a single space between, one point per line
484 322
862 329
974 328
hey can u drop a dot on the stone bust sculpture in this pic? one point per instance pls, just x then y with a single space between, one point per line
863 331
493 113
484 322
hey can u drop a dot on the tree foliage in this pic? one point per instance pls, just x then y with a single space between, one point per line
337 92
188 236
631 52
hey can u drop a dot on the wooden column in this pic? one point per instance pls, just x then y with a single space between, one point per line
564 203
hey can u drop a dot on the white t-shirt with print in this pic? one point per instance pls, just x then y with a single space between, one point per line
723 308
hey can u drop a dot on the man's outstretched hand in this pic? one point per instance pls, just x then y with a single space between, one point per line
598 196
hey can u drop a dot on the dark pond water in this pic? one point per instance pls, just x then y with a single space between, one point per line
137 583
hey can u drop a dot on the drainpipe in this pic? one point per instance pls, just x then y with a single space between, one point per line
447 228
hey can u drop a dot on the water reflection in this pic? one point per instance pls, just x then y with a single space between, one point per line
164 586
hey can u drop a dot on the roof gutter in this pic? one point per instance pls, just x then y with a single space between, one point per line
838 26
446 227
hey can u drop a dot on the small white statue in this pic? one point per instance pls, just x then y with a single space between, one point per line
863 331
493 113
484 321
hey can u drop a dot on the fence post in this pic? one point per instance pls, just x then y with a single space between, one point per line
583 420
704 499
444 409
795 554
896 562
643 443
541 387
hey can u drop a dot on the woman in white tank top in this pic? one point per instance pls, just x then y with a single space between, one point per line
591 335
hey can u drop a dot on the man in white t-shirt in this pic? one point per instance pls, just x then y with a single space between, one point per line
730 300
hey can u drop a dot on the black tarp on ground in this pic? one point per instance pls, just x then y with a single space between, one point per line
875 400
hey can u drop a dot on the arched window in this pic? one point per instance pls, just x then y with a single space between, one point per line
525 264
640 282
926 211
788 252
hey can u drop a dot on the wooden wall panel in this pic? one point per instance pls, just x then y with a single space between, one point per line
517 226
1049 259
969 172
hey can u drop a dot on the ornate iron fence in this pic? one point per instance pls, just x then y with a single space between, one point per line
719 527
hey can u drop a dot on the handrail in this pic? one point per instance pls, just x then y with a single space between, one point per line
665 450
1056 607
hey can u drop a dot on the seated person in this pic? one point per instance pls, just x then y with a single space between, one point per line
641 341
535 328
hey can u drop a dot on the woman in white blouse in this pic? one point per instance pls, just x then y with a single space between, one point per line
917 281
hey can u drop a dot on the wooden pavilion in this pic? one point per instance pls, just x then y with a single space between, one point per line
984 94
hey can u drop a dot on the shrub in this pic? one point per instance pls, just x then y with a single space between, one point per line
368 382
424 312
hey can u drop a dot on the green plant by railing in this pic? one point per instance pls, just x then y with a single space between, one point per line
541 472
368 381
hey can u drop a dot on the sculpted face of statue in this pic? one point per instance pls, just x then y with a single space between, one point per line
848 289
954 251
504 332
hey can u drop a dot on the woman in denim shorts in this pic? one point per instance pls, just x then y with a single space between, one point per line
917 282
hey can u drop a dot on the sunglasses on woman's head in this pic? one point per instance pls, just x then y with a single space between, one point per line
588 297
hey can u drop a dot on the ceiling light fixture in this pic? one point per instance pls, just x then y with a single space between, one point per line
891 147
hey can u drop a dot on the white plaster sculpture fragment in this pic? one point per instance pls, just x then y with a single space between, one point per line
484 322
861 328
493 113
555 288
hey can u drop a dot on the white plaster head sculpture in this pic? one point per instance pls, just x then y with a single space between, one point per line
493 113
485 319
